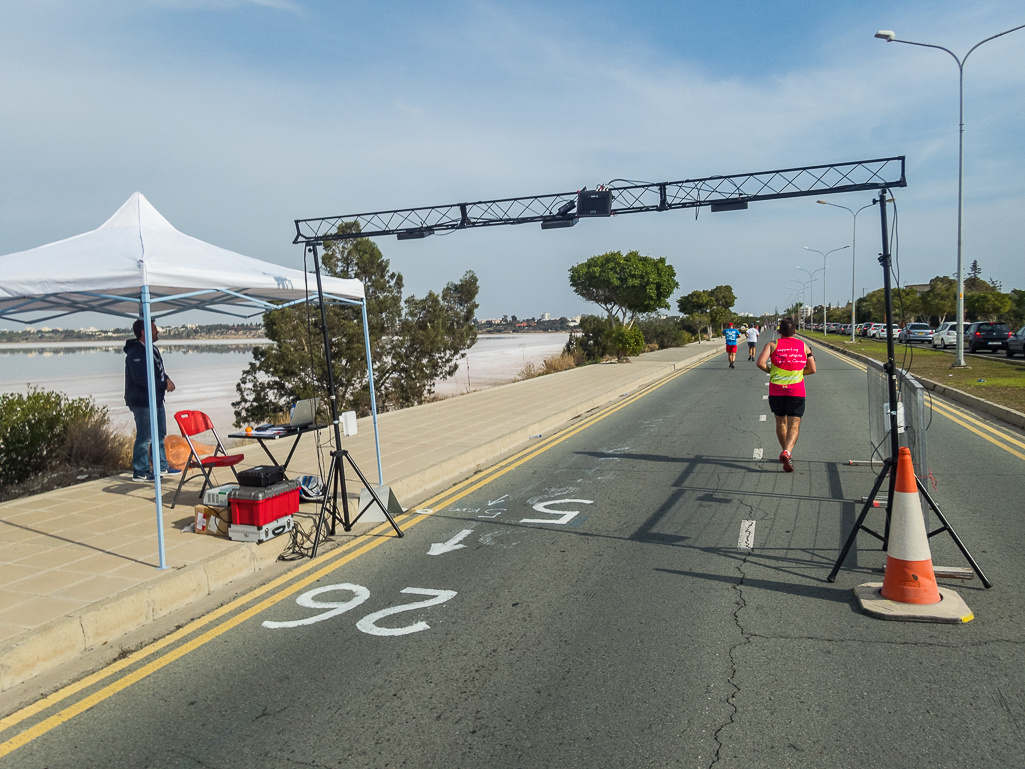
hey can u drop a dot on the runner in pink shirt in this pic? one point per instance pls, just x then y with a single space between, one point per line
787 362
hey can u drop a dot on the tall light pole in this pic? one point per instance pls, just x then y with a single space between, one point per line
799 292
811 294
854 250
825 319
889 36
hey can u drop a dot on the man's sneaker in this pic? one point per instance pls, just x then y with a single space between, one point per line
171 471
144 478
786 459
731 364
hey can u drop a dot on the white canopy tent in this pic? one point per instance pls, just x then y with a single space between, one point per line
137 265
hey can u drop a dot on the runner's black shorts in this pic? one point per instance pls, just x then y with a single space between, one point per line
786 405
752 345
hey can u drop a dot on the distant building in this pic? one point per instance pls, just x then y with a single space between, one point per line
546 316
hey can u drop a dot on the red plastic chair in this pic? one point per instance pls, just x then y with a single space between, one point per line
192 423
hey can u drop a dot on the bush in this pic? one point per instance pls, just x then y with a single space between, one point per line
663 332
551 365
592 341
626 341
41 429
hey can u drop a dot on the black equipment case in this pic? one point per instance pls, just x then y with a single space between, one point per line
262 475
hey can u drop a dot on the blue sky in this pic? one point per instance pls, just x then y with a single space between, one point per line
235 118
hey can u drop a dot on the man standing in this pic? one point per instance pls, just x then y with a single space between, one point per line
137 399
731 334
752 341
791 361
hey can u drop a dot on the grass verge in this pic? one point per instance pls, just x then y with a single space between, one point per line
997 380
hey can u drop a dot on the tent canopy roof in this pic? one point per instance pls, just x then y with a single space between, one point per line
104 270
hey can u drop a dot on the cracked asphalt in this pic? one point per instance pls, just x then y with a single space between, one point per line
594 610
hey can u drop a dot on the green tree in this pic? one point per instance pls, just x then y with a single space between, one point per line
989 305
715 304
940 299
624 286
413 342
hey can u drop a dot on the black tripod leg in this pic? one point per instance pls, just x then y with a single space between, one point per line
373 494
336 458
329 499
889 505
858 524
953 534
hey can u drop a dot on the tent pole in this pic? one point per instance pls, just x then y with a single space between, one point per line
154 432
373 395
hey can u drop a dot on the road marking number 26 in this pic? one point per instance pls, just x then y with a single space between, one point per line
360 594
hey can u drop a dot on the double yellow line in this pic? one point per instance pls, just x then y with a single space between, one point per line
314 570
999 437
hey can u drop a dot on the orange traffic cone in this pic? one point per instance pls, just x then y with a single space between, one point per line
909 576
909 591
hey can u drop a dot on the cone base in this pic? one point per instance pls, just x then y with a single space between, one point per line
951 610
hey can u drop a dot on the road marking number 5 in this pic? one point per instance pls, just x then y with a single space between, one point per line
565 516
360 594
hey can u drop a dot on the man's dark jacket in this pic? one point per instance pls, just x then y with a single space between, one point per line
135 374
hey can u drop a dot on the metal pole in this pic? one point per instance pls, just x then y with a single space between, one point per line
373 395
889 37
891 366
332 399
154 430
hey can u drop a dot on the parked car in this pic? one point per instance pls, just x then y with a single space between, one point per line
879 330
870 329
1016 343
946 335
915 332
983 335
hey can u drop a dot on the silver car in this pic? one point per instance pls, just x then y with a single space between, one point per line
915 332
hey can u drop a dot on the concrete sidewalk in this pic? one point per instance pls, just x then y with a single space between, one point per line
78 565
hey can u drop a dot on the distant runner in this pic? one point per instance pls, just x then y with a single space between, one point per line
791 361
752 342
731 334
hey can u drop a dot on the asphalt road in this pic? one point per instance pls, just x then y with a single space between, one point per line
594 605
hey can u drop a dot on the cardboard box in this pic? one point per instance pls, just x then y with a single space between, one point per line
212 520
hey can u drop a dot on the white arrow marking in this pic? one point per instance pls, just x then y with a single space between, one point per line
496 501
438 548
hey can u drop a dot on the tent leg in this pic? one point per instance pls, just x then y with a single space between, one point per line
154 432
373 395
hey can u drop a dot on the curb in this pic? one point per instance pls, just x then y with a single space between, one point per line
65 638
1003 413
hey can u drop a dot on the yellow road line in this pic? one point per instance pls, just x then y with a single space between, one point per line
331 562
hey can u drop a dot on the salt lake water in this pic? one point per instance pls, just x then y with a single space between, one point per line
205 373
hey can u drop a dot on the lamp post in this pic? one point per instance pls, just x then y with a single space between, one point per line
889 36
799 292
825 318
854 250
811 294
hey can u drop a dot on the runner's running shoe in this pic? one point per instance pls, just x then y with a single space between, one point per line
786 459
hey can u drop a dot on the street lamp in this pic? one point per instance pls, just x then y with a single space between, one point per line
825 319
854 250
799 298
890 37
811 279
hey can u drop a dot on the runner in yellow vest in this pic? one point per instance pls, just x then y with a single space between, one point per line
787 362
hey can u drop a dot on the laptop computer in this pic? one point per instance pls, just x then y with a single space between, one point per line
304 413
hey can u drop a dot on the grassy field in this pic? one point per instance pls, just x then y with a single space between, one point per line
994 378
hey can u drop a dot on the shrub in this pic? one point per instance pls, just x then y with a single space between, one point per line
551 365
663 332
592 341
43 428
626 340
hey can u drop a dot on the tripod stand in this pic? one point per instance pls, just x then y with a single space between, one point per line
889 470
330 514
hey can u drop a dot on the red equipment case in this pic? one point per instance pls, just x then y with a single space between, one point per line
255 506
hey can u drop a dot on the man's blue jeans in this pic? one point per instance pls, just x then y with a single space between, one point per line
142 451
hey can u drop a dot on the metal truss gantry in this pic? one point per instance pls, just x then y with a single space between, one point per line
557 209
